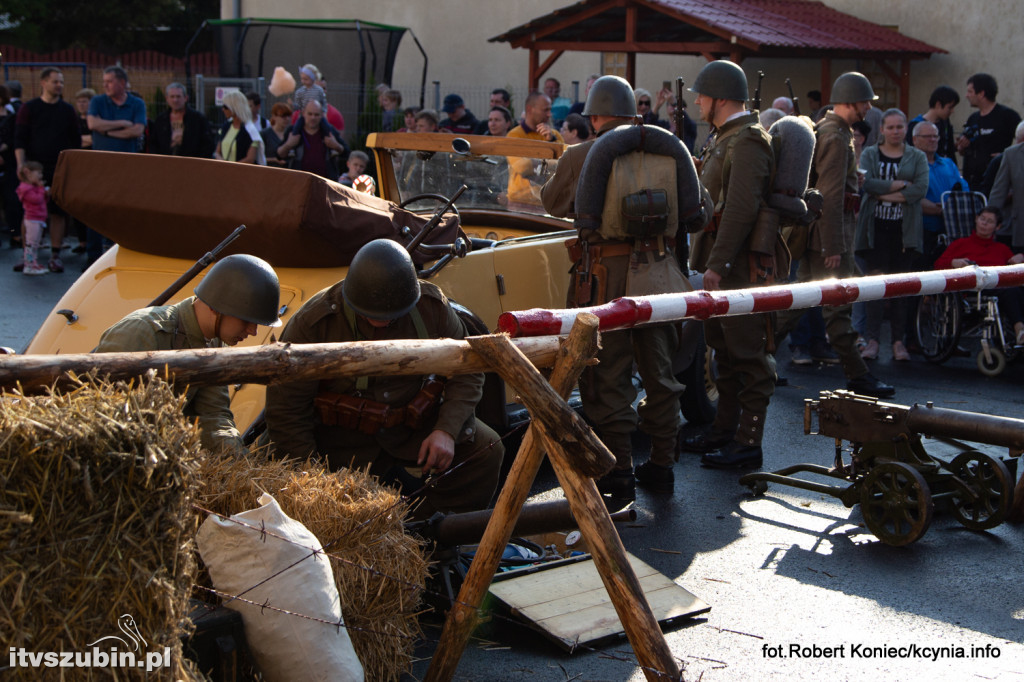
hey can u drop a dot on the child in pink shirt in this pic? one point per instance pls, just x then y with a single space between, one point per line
32 194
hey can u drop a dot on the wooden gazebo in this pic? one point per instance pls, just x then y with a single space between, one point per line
717 29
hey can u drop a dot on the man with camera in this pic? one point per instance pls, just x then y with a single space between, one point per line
988 131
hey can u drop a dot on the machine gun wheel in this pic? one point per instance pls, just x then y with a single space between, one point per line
991 363
896 503
938 326
758 487
989 480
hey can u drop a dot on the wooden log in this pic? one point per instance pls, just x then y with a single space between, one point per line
269 364
578 441
623 587
649 645
463 615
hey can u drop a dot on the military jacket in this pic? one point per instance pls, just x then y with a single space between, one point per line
736 170
174 327
293 423
559 192
834 174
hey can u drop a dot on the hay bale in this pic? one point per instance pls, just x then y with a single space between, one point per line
96 522
381 571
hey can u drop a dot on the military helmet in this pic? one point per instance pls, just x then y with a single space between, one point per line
852 87
610 96
245 287
721 79
381 283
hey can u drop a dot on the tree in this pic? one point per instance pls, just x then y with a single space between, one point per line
122 26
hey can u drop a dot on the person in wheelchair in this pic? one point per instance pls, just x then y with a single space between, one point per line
981 248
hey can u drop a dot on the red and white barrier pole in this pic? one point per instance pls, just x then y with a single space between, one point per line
628 312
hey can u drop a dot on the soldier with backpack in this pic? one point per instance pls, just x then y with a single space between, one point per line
829 243
737 250
630 189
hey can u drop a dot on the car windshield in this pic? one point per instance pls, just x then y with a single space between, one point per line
492 182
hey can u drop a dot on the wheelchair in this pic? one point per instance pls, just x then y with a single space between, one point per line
943 320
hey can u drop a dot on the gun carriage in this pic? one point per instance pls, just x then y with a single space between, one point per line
889 471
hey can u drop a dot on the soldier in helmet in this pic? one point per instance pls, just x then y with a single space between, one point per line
423 424
830 241
606 389
736 168
237 294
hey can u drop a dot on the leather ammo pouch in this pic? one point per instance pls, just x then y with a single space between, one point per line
645 213
369 416
422 409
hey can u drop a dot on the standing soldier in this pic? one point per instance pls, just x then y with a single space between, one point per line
239 293
606 389
736 168
830 243
422 424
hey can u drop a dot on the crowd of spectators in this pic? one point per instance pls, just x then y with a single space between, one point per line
899 227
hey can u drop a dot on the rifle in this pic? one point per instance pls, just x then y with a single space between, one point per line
796 102
196 268
757 92
682 245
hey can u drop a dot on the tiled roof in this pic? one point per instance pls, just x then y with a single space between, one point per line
768 26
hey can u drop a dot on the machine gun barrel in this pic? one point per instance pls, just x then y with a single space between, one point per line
541 517
973 426
861 419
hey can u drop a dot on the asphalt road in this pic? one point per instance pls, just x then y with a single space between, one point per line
798 588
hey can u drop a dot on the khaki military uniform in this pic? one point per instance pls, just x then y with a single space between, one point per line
607 389
736 170
296 429
834 173
174 327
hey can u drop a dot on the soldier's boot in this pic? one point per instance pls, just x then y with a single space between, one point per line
656 474
722 430
619 483
744 450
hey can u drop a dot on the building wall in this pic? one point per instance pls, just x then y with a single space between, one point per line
454 34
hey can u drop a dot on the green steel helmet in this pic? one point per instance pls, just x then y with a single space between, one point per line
852 87
721 79
245 287
381 283
610 96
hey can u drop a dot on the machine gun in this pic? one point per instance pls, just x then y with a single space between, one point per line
458 249
893 477
796 101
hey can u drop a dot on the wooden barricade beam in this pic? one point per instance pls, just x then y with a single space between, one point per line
269 364
463 615
588 507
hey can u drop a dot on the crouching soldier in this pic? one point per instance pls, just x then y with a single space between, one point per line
424 424
239 293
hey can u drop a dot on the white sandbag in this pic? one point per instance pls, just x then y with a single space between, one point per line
284 646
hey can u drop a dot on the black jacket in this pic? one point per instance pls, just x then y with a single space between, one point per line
196 142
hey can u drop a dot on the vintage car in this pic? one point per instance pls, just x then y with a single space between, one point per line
488 253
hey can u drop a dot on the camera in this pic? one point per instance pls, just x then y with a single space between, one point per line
972 131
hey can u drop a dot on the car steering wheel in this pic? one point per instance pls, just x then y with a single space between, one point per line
439 198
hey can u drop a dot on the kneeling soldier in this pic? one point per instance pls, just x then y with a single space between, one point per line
237 294
422 423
